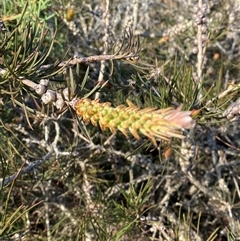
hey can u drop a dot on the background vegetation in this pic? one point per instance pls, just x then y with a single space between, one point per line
62 179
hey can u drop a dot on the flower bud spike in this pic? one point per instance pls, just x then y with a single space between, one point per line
153 123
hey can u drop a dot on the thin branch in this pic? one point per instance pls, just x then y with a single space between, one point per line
91 59
28 168
106 41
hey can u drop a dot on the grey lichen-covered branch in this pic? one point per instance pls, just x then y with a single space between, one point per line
28 168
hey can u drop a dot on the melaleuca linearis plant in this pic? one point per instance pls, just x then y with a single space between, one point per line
156 124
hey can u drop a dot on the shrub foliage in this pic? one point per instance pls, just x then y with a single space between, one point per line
77 78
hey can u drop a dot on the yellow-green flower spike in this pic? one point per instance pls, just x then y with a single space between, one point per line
154 123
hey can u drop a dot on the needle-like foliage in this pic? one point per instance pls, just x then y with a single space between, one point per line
66 63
